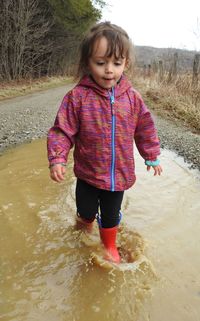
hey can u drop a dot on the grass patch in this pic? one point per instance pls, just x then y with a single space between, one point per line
172 101
23 87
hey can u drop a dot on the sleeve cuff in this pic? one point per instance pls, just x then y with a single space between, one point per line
152 163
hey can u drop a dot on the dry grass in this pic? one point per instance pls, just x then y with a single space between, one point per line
22 87
177 100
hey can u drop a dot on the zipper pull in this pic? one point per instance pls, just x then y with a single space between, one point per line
112 98
112 101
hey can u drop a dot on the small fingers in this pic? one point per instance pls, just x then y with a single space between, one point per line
157 170
57 177
57 173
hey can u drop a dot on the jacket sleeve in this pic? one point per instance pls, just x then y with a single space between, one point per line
146 137
61 136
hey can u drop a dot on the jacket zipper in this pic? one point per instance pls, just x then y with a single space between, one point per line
112 101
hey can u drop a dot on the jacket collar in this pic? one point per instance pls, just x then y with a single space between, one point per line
120 88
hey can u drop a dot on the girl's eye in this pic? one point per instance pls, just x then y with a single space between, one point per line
118 63
100 63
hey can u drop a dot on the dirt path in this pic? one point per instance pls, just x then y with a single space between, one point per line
29 117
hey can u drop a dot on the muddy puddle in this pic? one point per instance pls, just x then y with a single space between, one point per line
50 271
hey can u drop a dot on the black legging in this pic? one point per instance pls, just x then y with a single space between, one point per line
90 198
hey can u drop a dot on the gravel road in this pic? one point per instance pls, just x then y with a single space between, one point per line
29 117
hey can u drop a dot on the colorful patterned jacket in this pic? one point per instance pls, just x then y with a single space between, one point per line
103 127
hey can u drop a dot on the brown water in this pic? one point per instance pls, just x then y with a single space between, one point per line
50 271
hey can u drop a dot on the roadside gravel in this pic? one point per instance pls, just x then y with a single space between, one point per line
26 118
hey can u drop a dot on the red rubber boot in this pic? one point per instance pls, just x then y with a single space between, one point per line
108 237
83 224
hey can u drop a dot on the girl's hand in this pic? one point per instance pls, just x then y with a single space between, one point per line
157 169
57 172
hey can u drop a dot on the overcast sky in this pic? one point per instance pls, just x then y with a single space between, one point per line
158 23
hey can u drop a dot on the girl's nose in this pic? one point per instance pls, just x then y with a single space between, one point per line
109 68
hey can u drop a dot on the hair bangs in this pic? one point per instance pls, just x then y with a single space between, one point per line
117 45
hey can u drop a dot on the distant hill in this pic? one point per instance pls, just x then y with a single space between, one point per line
148 55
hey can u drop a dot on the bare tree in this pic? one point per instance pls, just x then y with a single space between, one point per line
23 48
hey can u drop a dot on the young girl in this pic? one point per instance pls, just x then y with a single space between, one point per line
101 117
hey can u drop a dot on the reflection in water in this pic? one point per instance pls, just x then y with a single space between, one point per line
50 271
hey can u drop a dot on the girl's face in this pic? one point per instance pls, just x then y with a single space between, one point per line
106 71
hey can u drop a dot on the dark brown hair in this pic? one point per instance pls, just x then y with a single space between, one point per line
119 45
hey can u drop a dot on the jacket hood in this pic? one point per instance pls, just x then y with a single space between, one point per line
120 88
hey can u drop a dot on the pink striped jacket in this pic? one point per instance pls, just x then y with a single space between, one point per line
103 126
